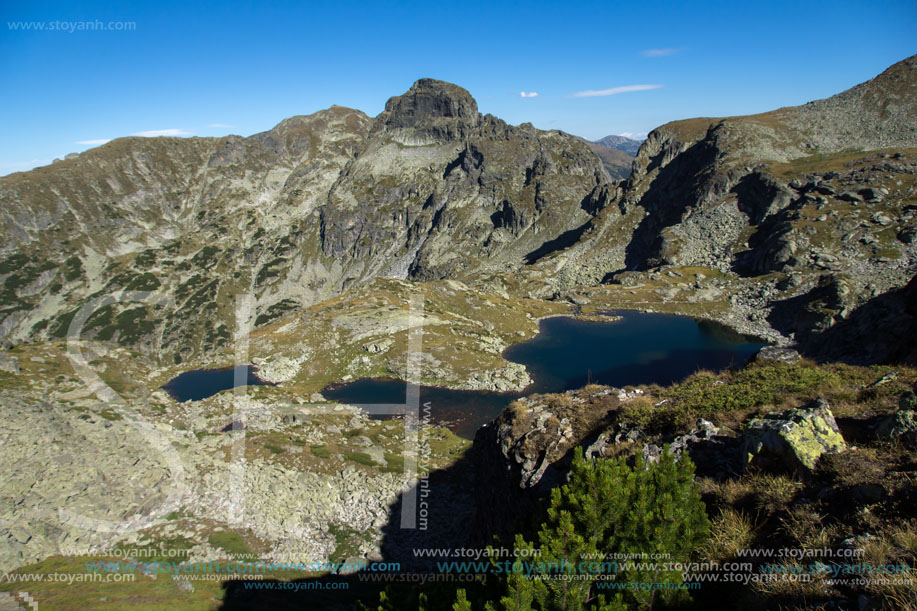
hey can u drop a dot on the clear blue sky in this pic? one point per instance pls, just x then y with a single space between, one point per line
241 67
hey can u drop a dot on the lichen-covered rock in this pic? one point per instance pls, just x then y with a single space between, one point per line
794 439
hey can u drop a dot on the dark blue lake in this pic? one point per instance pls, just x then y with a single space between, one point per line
568 354
202 383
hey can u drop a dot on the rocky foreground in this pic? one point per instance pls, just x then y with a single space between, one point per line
789 455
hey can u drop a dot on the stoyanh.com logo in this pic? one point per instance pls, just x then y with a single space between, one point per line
70 27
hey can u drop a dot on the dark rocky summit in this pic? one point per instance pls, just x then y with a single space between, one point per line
427 101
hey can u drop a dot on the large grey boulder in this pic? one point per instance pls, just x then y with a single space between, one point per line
793 440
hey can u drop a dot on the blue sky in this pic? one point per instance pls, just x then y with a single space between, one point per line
240 67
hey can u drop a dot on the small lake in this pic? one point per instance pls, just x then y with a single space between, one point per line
202 383
569 353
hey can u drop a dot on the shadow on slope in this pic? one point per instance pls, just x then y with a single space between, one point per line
444 514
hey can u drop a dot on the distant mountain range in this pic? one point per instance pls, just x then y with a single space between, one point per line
620 143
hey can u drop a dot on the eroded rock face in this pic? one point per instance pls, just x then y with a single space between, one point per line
534 434
794 439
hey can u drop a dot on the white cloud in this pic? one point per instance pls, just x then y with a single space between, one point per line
221 125
163 132
591 93
95 142
659 52
530 94
634 135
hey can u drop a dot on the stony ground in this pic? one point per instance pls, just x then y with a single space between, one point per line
300 481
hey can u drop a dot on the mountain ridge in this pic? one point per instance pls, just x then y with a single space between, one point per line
317 204
431 189
621 143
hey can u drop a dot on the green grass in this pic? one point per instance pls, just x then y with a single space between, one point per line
748 388
158 552
320 451
136 592
347 542
110 414
709 395
360 458
820 162
763 387
394 463
232 543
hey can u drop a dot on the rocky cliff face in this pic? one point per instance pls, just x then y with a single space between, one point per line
429 189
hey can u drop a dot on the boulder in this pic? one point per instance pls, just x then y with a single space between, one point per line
379 346
907 235
871 194
881 219
850 196
903 423
777 353
794 439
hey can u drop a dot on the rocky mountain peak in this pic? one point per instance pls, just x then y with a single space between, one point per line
428 100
